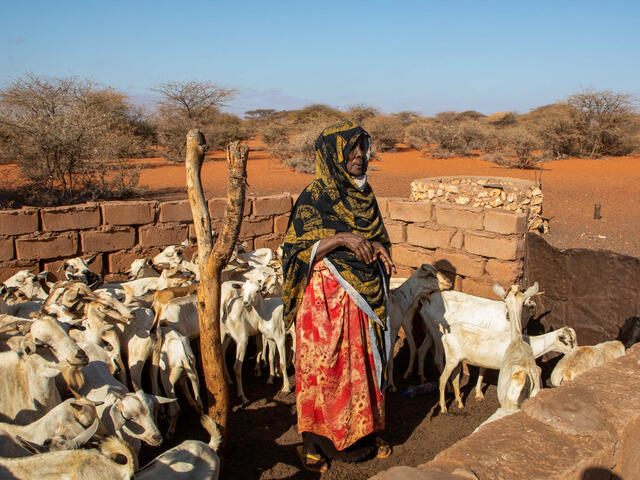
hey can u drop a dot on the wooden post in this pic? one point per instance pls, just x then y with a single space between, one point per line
212 258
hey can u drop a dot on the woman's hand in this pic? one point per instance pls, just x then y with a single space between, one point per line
358 245
381 253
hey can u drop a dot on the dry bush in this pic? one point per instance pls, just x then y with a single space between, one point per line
224 128
407 117
360 112
457 138
605 122
553 125
70 138
522 145
275 135
313 115
502 119
418 134
385 131
301 150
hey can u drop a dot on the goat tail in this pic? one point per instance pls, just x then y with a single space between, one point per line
212 427
111 447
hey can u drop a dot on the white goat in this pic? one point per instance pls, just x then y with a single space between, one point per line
519 376
583 359
29 284
249 315
73 464
76 269
202 459
403 304
177 365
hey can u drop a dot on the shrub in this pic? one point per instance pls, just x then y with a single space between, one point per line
521 144
385 131
418 134
301 152
70 137
554 127
457 138
359 113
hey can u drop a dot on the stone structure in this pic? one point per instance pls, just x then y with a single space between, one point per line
118 232
501 193
475 246
586 429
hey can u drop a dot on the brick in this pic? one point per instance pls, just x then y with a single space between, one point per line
177 211
429 237
272 241
409 211
162 234
503 248
397 231
499 221
61 219
272 205
16 222
47 246
505 273
409 256
118 262
95 263
217 207
255 228
108 240
459 218
457 240
129 213
479 287
458 263
7 252
280 223
8 269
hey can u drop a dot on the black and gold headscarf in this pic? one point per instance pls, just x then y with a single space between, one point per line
331 204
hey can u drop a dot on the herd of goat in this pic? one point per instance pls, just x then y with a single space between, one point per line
90 343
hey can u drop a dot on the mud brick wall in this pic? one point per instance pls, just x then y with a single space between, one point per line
116 233
476 247
586 429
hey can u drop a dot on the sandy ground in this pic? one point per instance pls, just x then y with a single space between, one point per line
571 188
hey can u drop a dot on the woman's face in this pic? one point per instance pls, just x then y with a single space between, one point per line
356 163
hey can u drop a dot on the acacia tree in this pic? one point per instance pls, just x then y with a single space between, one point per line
67 135
212 260
187 105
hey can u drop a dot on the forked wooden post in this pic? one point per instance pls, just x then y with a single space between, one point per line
212 258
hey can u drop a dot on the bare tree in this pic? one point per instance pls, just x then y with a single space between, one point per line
212 260
187 105
68 134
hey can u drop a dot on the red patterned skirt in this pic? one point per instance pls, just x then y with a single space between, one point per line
336 390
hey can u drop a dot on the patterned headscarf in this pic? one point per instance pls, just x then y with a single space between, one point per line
331 204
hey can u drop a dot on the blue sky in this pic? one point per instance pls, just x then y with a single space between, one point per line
424 56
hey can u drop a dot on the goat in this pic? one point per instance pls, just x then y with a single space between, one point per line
448 307
69 419
249 315
74 464
203 461
403 303
171 256
583 359
487 348
30 285
141 268
519 376
76 269
629 332
177 364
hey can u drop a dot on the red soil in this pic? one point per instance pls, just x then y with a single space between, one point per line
571 188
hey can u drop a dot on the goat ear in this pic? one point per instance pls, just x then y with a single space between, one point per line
531 291
498 290
162 400
31 447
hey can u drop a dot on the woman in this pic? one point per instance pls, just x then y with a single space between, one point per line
336 267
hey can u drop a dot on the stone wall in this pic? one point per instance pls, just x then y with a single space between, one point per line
475 246
501 193
116 233
592 291
588 429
